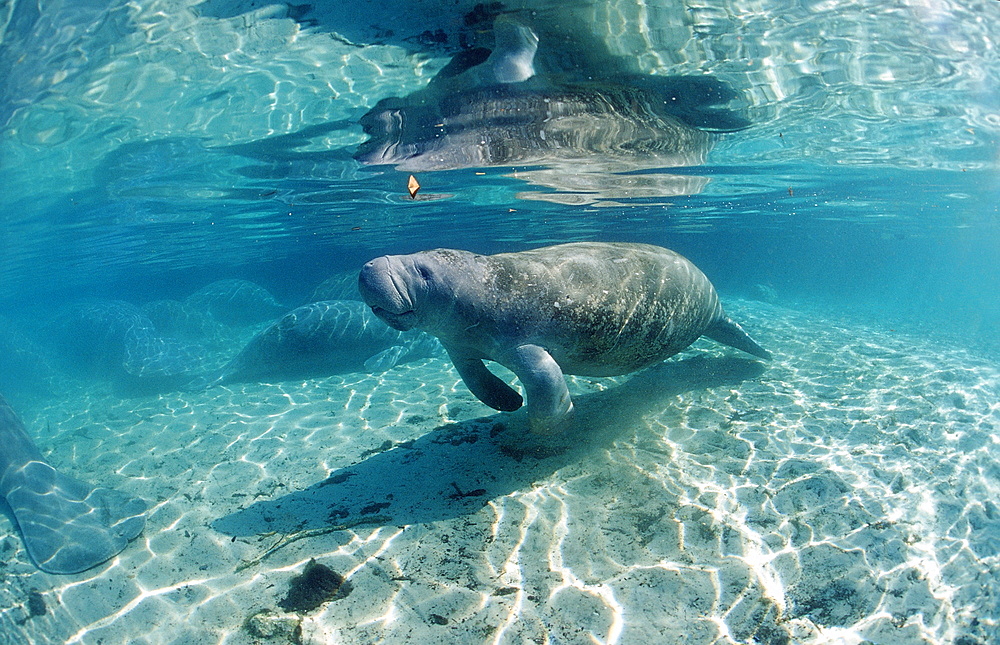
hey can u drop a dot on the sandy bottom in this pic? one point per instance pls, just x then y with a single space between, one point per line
845 492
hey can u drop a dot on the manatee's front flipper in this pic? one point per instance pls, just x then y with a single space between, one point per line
550 408
727 332
386 359
70 526
485 385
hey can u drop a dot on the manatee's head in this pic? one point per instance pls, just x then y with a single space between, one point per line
408 291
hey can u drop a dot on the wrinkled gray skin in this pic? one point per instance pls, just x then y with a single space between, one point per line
594 309
68 525
323 338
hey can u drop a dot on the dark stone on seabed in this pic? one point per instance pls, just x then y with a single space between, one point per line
36 603
317 585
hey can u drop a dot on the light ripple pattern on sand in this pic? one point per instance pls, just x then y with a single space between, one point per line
843 493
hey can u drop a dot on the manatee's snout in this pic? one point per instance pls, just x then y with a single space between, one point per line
384 289
377 287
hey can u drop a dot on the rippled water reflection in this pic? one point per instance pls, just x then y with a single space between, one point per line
842 492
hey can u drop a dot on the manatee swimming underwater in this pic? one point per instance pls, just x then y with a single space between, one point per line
179 320
323 338
68 525
114 338
589 308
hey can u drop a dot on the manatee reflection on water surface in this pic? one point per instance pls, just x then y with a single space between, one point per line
588 128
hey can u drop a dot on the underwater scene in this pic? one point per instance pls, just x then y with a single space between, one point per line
552 322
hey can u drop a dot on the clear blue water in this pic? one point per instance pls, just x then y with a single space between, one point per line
152 147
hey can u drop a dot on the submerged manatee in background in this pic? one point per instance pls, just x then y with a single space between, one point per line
114 338
68 525
320 339
236 302
178 320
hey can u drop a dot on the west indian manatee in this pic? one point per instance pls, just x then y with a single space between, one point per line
588 308
528 124
320 339
113 338
236 302
179 320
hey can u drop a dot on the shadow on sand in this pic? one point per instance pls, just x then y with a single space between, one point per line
457 468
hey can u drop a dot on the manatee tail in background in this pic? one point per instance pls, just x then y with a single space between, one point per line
68 525
727 332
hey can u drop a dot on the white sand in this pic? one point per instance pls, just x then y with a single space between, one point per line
845 491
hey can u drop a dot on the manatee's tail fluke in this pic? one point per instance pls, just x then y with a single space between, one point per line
727 332
68 525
